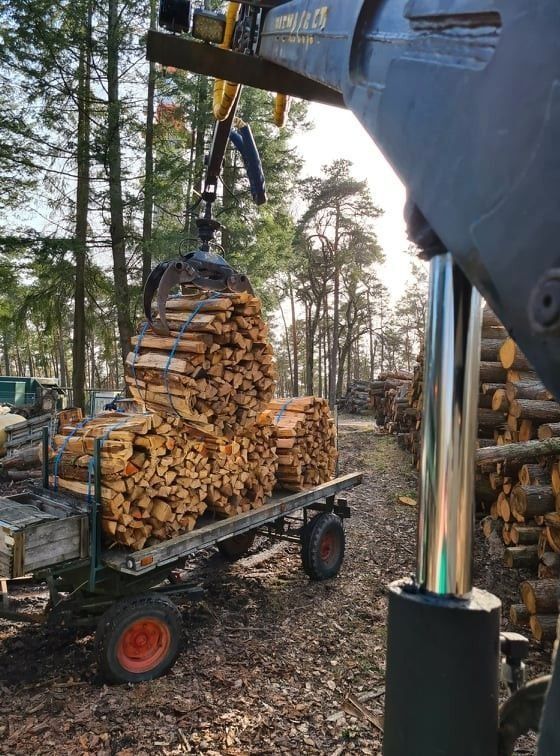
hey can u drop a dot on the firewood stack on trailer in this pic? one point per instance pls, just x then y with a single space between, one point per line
207 441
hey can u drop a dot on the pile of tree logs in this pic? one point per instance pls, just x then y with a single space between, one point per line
215 370
357 398
154 476
539 609
523 472
305 438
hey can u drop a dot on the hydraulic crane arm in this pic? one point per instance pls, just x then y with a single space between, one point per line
463 98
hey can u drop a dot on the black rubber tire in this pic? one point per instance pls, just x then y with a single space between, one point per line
237 546
122 615
322 546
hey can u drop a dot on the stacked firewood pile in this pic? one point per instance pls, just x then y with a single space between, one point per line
154 476
215 370
206 439
243 471
305 439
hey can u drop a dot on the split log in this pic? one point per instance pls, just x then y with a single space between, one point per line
540 596
519 615
521 556
154 476
555 478
544 626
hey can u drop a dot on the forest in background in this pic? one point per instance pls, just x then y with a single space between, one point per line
101 167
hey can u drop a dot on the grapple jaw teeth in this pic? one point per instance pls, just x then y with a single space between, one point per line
209 273
150 288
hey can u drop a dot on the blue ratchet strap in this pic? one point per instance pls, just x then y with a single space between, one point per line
182 330
63 448
282 409
135 354
91 464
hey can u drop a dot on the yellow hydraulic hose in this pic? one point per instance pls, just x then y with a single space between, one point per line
225 92
281 109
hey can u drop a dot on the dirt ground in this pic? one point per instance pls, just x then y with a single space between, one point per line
273 663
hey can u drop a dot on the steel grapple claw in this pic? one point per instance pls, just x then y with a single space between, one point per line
201 269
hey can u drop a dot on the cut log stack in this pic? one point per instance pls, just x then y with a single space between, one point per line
215 370
154 476
357 398
389 401
305 438
539 610
524 474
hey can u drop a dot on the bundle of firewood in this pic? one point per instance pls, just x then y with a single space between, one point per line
215 370
305 438
243 471
154 476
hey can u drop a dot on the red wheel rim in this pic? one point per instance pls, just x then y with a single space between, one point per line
143 645
327 547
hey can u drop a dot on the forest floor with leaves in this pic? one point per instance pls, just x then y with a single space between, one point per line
273 663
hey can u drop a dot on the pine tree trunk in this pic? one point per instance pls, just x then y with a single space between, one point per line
120 275
148 208
82 205
295 382
6 354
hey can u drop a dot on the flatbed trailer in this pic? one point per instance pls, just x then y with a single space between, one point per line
51 539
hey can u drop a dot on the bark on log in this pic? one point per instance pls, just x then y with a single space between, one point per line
549 566
521 556
527 390
534 475
499 401
519 615
519 453
549 430
511 357
490 350
540 596
532 500
544 626
524 535
492 372
535 409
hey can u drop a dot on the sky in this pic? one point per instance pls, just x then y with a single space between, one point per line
338 134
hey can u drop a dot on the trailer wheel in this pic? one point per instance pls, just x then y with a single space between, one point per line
322 546
237 546
138 639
